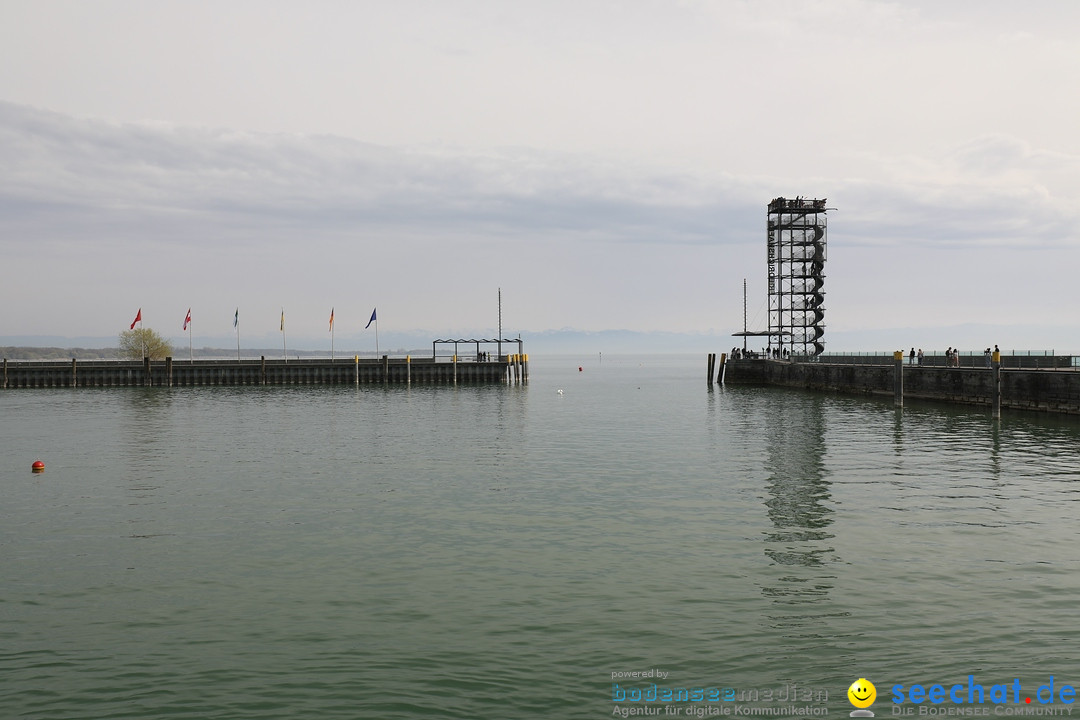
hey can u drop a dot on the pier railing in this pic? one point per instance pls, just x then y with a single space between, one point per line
1017 359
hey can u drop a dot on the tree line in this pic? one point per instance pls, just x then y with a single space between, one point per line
134 344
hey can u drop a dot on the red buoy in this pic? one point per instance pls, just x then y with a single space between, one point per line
38 466
579 368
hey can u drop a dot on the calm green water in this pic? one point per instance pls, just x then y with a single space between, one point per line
500 552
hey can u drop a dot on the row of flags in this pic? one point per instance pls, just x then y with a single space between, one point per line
236 319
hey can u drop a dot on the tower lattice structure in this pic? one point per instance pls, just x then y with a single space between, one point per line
796 254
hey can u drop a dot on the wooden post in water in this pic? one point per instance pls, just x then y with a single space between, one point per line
74 377
408 369
720 372
168 370
898 378
995 365
712 366
385 368
455 367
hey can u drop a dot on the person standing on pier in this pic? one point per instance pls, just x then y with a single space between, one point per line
911 357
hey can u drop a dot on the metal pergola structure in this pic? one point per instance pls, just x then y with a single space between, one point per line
796 258
479 353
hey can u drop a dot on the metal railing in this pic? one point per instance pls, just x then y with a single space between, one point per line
1012 359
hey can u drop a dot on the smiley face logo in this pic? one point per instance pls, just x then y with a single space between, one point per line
862 693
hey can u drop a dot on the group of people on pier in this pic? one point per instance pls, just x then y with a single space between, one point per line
952 356
768 353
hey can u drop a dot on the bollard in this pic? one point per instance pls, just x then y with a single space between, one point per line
995 364
898 378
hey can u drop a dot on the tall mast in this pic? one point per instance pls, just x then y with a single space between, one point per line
744 314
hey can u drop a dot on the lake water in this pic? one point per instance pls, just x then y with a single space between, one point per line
512 552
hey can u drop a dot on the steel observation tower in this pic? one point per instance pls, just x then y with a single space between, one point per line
796 253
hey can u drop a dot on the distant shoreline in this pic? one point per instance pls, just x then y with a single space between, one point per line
12 352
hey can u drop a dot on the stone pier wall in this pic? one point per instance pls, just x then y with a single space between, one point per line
260 371
1047 390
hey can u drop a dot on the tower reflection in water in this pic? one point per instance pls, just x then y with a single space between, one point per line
798 545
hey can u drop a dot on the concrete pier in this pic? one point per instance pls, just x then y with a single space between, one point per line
260 371
1052 389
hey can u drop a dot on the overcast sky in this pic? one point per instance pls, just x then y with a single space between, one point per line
607 164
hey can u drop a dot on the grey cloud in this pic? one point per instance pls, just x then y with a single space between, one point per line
71 167
64 174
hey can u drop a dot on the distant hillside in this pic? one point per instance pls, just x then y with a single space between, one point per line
56 353
11 352
568 341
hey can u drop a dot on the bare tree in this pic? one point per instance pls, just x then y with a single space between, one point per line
144 342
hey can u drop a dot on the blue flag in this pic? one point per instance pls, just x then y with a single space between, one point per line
236 317
371 320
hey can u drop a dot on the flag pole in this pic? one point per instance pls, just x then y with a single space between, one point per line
284 352
236 324
331 334
374 319
142 335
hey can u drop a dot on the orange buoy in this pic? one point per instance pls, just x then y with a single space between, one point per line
38 466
